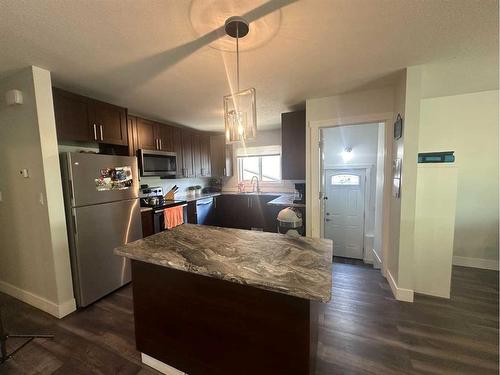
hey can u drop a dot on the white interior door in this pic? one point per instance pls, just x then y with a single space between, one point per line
345 211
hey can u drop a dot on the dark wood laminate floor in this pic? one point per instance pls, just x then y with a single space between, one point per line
362 331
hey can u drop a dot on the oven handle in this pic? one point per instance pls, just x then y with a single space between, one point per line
163 209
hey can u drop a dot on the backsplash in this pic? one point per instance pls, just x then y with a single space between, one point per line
167 184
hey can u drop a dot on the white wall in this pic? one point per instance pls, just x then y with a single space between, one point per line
34 251
264 138
363 139
468 124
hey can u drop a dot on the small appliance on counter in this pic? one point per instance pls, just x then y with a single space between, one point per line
290 222
300 193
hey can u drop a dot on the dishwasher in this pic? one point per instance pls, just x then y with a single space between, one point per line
204 211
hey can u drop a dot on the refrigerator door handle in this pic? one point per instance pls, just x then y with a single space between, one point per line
73 216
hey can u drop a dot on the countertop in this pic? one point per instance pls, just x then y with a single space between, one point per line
297 266
282 199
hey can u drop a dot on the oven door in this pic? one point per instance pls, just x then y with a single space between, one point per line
157 163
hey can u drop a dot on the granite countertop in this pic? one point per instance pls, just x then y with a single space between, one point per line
282 199
286 200
297 266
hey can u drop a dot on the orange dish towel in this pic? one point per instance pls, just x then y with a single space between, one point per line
173 216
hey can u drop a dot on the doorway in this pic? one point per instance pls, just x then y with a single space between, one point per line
352 188
345 211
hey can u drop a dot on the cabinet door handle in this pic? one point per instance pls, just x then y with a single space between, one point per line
215 202
159 143
100 131
224 172
95 132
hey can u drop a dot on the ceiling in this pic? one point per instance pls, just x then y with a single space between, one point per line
157 58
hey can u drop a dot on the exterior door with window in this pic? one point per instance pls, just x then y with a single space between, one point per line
345 211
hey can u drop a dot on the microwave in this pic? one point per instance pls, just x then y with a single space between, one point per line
157 163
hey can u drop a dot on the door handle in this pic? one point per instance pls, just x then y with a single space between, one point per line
100 130
95 132
159 142
327 220
327 214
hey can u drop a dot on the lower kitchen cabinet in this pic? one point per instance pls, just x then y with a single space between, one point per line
245 212
147 223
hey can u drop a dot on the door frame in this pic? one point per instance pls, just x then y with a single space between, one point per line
366 197
314 165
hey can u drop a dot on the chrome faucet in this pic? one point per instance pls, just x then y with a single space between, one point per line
253 186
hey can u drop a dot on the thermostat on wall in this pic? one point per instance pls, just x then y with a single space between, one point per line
436 157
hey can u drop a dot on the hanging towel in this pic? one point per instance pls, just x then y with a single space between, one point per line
173 216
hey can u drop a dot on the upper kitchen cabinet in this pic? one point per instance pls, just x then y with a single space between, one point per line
293 145
221 157
79 118
177 148
72 119
146 134
153 135
187 154
196 152
109 123
206 170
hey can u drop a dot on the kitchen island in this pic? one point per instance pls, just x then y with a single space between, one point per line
211 300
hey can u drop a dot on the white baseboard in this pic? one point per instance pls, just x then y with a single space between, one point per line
59 311
377 262
486 264
160 366
401 294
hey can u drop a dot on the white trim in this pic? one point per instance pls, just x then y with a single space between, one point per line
487 264
401 294
160 366
314 167
377 262
59 311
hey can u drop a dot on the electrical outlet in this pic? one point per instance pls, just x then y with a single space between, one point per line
24 172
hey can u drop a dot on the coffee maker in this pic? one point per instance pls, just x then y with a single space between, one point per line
300 193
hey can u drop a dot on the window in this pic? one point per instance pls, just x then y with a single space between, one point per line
262 162
345 179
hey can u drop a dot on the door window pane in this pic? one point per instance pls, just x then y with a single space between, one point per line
345 179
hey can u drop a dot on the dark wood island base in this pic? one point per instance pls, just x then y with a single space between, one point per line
204 325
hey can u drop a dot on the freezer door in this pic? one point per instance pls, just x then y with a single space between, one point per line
98 229
95 179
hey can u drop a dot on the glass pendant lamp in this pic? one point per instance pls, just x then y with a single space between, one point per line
240 115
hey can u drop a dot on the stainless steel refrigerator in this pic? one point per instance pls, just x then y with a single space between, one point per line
102 212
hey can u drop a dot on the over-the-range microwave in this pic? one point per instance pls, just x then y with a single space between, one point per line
157 163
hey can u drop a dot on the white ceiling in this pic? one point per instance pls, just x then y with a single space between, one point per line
147 55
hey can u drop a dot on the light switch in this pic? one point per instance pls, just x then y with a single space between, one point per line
1 198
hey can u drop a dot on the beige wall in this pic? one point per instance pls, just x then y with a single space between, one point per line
468 125
34 252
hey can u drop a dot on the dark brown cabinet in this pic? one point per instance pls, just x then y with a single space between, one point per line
196 153
187 153
152 135
245 212
293 145
83 119
206 170
221 157
72 119
146 137
109 123
177 148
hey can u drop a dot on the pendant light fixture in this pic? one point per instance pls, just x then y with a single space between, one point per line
240 117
